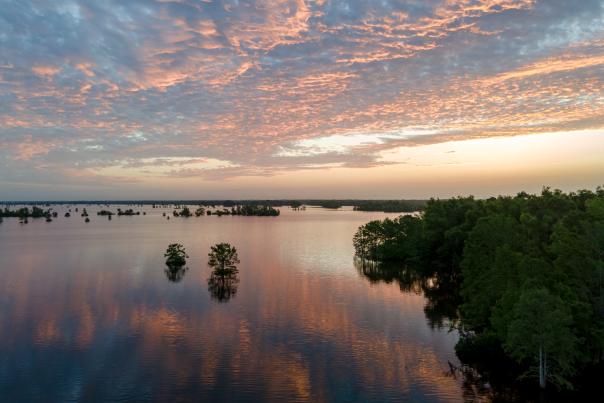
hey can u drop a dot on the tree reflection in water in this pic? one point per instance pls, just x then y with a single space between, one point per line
176 258
223 281
175 273
441 311
222 288
442 299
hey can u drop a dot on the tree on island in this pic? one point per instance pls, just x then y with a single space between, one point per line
331 204
128 212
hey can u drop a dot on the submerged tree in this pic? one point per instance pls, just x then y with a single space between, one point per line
176 255
184 212
222 284
224 259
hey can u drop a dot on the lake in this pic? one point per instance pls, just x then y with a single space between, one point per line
88 313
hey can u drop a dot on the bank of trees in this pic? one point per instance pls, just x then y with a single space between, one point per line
184 212
26 212
529 271
128 212
247 210
391 206
331 204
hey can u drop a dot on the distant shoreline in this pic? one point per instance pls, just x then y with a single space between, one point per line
310 202
383 205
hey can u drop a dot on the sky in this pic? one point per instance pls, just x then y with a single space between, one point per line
175 99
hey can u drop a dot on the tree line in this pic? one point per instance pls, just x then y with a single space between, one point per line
394 206
528 271
391 206
25 212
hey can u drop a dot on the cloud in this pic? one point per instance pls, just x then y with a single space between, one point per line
271 86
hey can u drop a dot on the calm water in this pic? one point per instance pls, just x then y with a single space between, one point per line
87 313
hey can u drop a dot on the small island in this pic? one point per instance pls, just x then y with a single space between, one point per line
247 210
24 213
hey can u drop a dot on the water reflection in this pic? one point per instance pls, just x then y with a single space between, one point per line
442 298
175 273
89 316
440 310
222 288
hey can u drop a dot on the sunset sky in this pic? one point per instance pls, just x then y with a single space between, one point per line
172 99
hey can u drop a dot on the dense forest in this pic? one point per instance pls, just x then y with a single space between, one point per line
527 274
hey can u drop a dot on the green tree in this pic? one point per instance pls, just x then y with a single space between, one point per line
223 259
528 272
176 255
489 265
446 226
541 333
